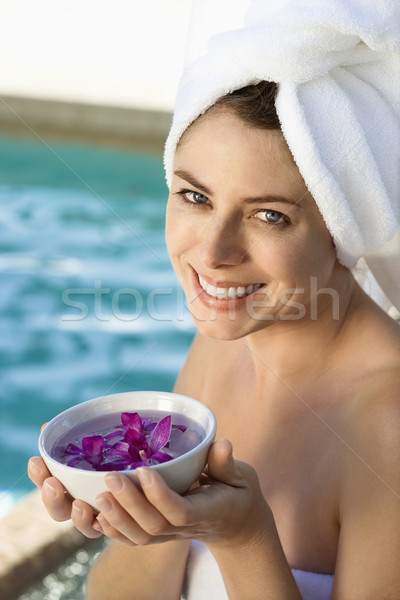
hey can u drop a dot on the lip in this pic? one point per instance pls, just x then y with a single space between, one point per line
222 304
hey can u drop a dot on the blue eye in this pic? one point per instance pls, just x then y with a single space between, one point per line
272 216
192 199
196 197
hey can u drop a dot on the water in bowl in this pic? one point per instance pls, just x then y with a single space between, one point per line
186 435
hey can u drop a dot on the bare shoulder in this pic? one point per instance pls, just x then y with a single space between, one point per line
376 401
372 370
373 415
369 506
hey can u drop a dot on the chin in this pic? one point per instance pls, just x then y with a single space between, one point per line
224 330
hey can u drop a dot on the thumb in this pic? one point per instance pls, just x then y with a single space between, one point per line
222 466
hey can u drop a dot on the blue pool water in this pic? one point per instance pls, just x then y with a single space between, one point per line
89 304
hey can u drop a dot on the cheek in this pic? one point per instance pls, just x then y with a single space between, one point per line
171 229
283 257
168 228
177 234
295 259
322 252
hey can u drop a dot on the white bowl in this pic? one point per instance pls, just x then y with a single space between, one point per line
179 473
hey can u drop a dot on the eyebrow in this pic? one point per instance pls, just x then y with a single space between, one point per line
191 179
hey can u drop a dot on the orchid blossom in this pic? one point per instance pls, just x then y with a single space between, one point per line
134 442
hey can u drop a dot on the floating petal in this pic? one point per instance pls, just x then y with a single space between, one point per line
132 421
160 435
134 438
93 445
114 434
73 449
180 427
161 457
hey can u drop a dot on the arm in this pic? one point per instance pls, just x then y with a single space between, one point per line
258 570
159 524
148 572
252 561
145 573
243 537
227 512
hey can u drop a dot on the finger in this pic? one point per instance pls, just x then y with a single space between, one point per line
82 518
110 531
128 510
37 471
222 466
56 500
186 513
173 508
116 523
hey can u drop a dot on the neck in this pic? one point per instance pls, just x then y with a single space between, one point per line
293 351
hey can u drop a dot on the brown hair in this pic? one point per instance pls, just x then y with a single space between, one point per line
253 104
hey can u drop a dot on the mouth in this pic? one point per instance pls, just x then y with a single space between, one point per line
228 292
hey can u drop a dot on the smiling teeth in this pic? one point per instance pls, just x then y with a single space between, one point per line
228 293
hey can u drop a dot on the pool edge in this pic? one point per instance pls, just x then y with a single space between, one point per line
31 544
125 127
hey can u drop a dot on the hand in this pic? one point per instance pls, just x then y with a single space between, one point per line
227 507
58 503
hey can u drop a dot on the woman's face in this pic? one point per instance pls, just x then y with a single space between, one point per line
245 236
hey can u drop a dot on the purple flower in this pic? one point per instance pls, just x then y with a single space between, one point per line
135 442
131 421
134 421
91 451
137 450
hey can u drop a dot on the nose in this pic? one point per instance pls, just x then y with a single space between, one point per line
222 244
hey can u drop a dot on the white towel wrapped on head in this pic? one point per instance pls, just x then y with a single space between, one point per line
337 65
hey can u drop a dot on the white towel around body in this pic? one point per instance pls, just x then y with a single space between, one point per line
204 580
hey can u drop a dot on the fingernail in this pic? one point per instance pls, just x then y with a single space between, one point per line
103 503
114 483
144 476
78 512
102 522
34 465
96 525
49 490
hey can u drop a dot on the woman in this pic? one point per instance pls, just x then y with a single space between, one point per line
301 369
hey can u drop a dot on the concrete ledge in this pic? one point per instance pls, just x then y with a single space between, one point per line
31 544
133 128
